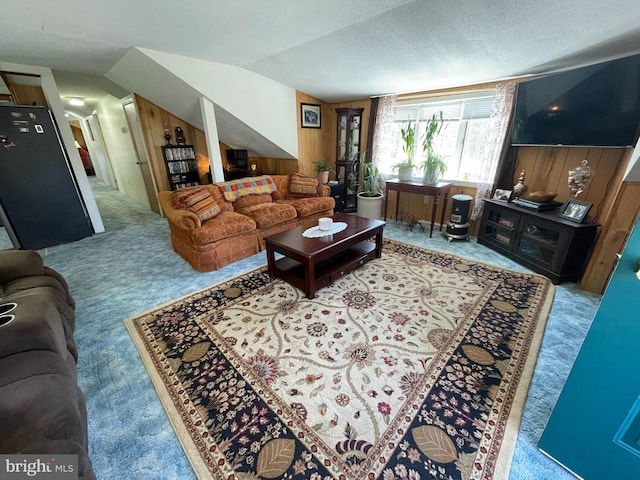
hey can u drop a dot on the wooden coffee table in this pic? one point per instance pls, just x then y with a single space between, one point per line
313 263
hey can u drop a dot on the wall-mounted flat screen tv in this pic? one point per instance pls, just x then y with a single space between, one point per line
597 106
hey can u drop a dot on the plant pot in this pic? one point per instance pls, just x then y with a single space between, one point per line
405 174
431 176
370 207
323 177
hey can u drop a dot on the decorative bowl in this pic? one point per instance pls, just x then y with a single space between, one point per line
542 197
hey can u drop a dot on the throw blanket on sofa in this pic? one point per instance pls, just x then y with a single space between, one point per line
234 189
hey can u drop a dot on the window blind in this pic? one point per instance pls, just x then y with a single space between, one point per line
453 108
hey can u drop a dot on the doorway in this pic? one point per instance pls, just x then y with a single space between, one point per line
81 145
141 153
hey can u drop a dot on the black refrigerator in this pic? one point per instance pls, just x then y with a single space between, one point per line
40 204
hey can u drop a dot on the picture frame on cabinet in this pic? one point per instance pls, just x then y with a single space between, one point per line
503 195
575 210
310 115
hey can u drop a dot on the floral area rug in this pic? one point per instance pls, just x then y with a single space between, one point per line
414 366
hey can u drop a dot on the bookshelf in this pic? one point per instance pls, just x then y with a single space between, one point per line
182 168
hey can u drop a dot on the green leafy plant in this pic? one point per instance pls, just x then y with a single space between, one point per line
409 140
433 165
367 172
323 166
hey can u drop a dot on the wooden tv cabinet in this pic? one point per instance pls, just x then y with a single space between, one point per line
541 241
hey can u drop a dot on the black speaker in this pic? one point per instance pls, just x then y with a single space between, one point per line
460 208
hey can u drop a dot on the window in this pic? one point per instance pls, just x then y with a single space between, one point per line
461 140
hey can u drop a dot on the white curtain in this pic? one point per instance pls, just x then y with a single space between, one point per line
383 134
498 128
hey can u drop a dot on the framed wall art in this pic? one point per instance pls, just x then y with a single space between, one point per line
575 210
310 115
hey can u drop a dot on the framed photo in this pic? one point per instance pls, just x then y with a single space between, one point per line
310 115
575 210
500 194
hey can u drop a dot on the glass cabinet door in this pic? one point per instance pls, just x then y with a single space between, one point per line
354 139
538 243
348 137
349 122
342 137
501 226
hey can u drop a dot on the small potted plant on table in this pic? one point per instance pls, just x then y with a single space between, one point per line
433 166
409 139
322 170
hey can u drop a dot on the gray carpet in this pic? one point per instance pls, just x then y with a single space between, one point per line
131 268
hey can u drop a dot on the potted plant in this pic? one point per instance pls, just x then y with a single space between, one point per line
322 170
433 166
370 194
409 140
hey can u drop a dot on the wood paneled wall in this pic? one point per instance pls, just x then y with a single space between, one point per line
313 143
265 165
615 204
412 207
614 207
154 121
547 169
333 132
25 94
613 237
76 130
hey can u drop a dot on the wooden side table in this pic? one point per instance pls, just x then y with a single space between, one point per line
433 190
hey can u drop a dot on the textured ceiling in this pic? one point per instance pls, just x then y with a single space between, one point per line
333 50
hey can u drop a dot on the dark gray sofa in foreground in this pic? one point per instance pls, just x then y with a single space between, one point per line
42 410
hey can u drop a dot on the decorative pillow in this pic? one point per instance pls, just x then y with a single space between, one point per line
243 187
199 201
302 185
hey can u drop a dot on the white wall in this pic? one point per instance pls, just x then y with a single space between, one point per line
268 107
99 156
121 150
633 169
251 111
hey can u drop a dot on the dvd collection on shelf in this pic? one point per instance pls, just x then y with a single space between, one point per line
179 153
182 166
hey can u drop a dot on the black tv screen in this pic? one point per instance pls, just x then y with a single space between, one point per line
597 106
238 159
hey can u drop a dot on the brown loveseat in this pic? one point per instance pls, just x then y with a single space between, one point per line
210 231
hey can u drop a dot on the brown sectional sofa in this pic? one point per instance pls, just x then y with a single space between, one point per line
240 227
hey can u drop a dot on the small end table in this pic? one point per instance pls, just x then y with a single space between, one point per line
433 190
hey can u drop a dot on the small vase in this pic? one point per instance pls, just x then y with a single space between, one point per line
519 188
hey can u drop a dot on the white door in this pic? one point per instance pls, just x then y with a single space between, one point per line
141 152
